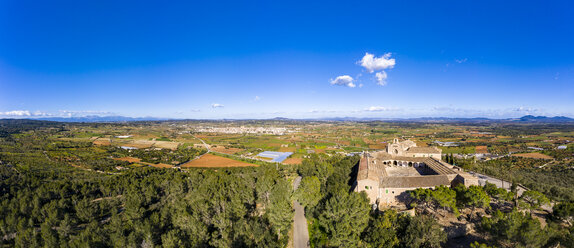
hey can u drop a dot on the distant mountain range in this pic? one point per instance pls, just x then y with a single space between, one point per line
524 119
531 118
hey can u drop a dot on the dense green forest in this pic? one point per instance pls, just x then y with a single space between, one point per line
45 202
166 156
555 181
69 193
247 207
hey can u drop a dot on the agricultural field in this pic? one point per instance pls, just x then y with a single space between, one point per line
138 162
481 149
134 171
129 159
226 150
293 161
214 161
535 155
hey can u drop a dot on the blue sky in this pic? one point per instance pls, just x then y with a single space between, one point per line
265 59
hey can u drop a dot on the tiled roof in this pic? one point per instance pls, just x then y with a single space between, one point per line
428 149
363 168
438 166
414 182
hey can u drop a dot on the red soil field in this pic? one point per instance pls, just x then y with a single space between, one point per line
137 160
102 142
160 165
533 155
481 149
293 161
211 161
129 159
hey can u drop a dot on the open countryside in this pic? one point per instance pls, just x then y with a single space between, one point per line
287 124
336 170
210 160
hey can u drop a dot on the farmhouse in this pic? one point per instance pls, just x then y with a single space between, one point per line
386 175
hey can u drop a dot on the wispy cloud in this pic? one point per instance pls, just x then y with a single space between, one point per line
59 113
460 61
380 109
449 111
16 113
389 112
257 98
344 80
381 78
526 110
217 105
315 111
80 113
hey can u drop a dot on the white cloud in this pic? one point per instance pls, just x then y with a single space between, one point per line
315 111
59 113
460 61
372 63
217 105
82 113
40 113
381 78
257 98
378 64
379 109
449 111
16 113
526 110
344 80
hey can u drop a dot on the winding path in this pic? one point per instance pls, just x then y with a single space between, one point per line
205 144
483 179
300 232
